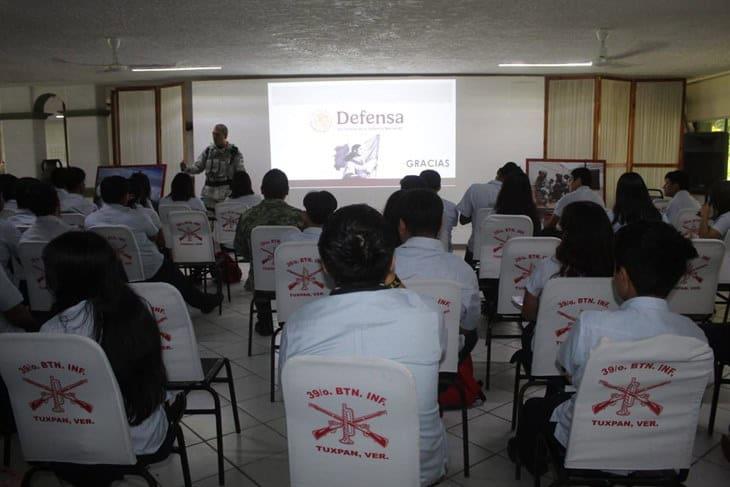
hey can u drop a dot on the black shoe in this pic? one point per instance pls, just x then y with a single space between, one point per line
212 301
264 328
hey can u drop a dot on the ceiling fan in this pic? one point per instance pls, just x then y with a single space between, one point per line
604 60
115 66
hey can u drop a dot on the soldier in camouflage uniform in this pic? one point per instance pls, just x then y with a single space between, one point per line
220 160
271 211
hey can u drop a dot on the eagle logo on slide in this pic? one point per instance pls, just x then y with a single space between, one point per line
360 160
321 121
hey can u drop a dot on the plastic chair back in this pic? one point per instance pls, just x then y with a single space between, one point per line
520 256
688 223
191 238
695 292
495 231
447 294
351 418
724 277
76 220
179 345
65 399
562 301
121 238
164 211
264 240
638 404
299 277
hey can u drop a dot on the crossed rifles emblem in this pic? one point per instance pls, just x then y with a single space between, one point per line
524 272
305 278
230 220
502 241
693 273
571 321
628 396
122 253
349 425
41 270
58 394
190 232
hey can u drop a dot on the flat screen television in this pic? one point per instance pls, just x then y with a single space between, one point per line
155 173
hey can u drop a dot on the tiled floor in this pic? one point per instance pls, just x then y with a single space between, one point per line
258 456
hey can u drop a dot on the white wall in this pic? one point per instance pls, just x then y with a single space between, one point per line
24 141
498 119
708 99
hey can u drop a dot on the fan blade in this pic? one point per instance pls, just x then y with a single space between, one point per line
643 49
151 66
64 61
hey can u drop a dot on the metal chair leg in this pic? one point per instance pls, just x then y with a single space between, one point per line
7 442
250 324
515 393
218 434
272 365
489 355
464 429
715 397
232 392
149 478
183 452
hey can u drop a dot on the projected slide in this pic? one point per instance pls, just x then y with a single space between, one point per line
362 133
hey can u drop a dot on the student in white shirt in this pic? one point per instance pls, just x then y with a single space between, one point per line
451 214
43 202
676 186
586 250
58 180
363 318
23 217
479 196
318 206
182 190
14 315
580 190
157 268
717 206
92 299
650 259
633 203
422 256
74 201
242 190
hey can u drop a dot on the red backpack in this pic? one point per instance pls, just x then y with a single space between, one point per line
451 399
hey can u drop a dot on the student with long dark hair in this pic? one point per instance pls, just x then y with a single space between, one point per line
715 212
586 250
140 191
92 299
633 203
182 190
242 190
515 198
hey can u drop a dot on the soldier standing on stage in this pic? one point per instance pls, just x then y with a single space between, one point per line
220 160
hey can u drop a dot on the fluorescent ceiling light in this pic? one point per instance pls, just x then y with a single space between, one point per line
188 68
59 116
545 65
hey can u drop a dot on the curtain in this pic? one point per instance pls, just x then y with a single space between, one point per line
137 133
657 122
171 121
613 131
653 176
570 118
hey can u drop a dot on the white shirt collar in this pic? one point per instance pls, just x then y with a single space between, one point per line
646 302
313 230
423 243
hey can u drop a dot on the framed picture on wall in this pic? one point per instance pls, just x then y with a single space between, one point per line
550 178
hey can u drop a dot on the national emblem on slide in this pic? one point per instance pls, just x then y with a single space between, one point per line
321 121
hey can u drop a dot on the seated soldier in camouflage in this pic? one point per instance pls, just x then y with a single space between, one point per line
271 211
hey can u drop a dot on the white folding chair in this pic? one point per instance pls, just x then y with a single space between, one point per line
496 231
636 410
299 279
76 220
120 237
68 407
478 219
661 203
444 234
447 294
164 211
351 421
186 371
688 223
264 240
31 259
192 247
562 301
227 215
519 256
694 294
